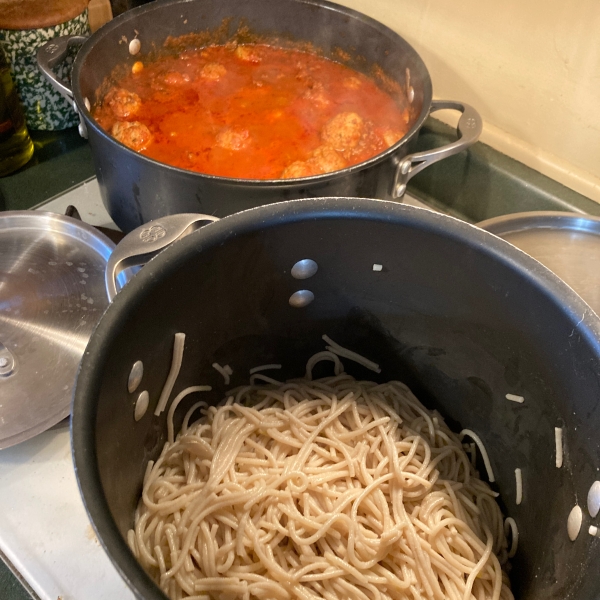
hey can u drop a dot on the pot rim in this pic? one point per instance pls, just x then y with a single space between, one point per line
216 233
125 18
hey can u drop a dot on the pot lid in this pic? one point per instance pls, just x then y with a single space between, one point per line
567 243
52 295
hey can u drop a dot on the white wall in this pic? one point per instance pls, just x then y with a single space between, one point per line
531 67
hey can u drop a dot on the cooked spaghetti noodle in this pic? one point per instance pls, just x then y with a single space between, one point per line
332 488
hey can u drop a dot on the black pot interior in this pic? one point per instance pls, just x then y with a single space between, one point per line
459 315
339 33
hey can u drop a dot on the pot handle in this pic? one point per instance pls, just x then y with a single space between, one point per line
145 242
468 130
53 53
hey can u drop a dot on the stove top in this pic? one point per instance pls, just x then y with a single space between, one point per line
44 530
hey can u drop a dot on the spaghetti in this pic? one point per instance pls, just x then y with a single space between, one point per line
558 441
226 372
350 355
518 486
178 346
332 488
484 454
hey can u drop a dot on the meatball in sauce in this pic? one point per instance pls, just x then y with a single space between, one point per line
252 111
132 134
343 132
123 103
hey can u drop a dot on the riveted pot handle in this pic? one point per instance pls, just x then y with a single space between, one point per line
50 55
468 130
53 53
145 242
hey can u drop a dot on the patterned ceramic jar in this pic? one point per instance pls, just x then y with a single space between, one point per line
24 26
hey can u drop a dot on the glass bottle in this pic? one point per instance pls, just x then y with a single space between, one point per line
16 147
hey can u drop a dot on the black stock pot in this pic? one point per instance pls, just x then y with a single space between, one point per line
461 316
136 189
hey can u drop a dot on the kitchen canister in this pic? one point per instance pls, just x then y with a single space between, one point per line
25 25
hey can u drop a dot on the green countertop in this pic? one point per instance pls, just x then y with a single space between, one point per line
10 587
482 183
61 160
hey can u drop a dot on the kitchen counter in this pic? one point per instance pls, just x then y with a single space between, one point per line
55 549
61 160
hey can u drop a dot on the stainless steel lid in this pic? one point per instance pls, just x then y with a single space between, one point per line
566 243
52 295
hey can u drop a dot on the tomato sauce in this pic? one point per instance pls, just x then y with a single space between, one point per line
252 112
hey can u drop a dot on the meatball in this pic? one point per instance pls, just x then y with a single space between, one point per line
325 160
247 54
232 139
343 132
370 144
390 137
296 170
213 71
122 102
133 134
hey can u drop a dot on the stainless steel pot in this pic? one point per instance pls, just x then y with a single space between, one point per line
567 243
460 315
136 189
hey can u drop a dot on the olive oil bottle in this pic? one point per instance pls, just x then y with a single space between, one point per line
16 147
